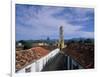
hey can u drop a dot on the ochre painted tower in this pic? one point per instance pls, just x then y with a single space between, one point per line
61 38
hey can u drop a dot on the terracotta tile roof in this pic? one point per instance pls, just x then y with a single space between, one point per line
25 57
82 53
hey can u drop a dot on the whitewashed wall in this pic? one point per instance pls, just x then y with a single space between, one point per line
38 65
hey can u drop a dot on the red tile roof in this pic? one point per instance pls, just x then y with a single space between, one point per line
25 57
82 53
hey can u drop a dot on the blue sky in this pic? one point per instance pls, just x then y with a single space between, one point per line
39 22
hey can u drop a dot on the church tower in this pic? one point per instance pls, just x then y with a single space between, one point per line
61 38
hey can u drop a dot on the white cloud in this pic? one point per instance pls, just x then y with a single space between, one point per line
44 23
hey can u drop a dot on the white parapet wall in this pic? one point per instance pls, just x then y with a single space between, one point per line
38 65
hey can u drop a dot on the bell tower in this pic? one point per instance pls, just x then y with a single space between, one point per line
61 38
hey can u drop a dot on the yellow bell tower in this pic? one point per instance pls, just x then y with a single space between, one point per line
61 38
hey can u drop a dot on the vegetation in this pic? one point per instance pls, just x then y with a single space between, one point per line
29 43
80 41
